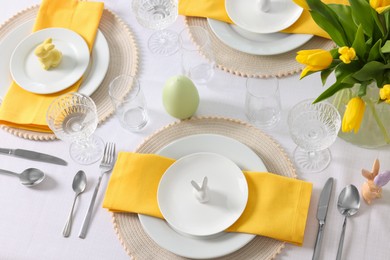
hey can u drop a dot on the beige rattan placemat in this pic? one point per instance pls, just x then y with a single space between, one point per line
123 60
248 65
129 230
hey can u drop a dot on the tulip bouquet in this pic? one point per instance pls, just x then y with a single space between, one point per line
361 31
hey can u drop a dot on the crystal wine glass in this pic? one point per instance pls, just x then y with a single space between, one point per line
158 15
313 127
73 118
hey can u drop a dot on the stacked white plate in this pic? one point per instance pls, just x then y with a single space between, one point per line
256 31
196 148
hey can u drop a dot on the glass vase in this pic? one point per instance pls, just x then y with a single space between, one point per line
375 128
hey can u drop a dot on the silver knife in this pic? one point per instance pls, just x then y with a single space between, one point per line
322 210
31 155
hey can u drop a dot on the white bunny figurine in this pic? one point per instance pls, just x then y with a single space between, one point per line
201 193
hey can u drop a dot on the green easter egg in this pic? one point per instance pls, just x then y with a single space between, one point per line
180 97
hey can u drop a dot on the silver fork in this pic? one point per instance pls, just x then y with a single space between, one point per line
105 166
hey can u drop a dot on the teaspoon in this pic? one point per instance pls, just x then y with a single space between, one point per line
347 204
28 177
78 185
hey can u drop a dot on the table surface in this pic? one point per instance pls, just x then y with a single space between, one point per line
32 220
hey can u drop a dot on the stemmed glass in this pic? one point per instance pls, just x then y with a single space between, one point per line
158 15
313 127
73 118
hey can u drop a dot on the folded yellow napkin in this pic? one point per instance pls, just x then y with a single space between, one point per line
277 206
215 9
26 110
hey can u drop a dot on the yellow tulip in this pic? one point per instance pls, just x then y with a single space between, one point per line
380 5
347 54
314 60
384 93
302 3
353 115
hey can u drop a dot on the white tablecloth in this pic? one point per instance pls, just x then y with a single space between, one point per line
32 220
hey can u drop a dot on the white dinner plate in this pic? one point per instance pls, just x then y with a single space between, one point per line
256 43
222 243
227 194
248 14
26 69
94 75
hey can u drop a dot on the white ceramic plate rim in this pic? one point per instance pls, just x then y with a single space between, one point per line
181 209
43 81
94 75
252 43
247 15
222 243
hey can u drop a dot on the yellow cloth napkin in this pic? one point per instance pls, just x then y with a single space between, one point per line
26 110
277 206
215 9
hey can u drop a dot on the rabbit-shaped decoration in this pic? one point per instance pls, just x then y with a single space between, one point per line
47 54
201 193
372 188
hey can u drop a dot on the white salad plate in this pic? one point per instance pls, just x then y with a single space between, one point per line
227 194
256 43
96 71
216 245
249 15
28 73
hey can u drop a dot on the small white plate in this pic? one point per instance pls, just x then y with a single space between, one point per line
98 64
248 15
256 43
227 194
26 69
210 246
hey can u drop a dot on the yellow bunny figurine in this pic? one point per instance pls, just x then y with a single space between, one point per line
48 55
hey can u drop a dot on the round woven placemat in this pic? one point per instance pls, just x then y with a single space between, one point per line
123 60
248 65
127 226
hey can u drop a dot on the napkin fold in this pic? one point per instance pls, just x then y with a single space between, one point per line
277 206
26 110
215 9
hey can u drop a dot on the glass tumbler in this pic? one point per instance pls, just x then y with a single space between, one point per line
197 56
129 102
262 103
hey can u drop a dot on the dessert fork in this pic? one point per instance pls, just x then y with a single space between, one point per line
105 166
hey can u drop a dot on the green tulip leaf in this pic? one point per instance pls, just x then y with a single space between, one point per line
371 70
386 47
328 20
361 16
337 86
375 52
359 43
325 74
345 18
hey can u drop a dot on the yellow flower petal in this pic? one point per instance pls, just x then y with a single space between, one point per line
353 115
380 5
314 60
384 93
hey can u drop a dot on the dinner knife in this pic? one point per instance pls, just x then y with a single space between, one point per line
322 210
31 155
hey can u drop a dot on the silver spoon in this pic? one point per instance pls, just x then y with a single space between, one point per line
347 204
28 177
78 185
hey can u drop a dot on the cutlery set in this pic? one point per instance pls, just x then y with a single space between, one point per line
32 177
348 204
